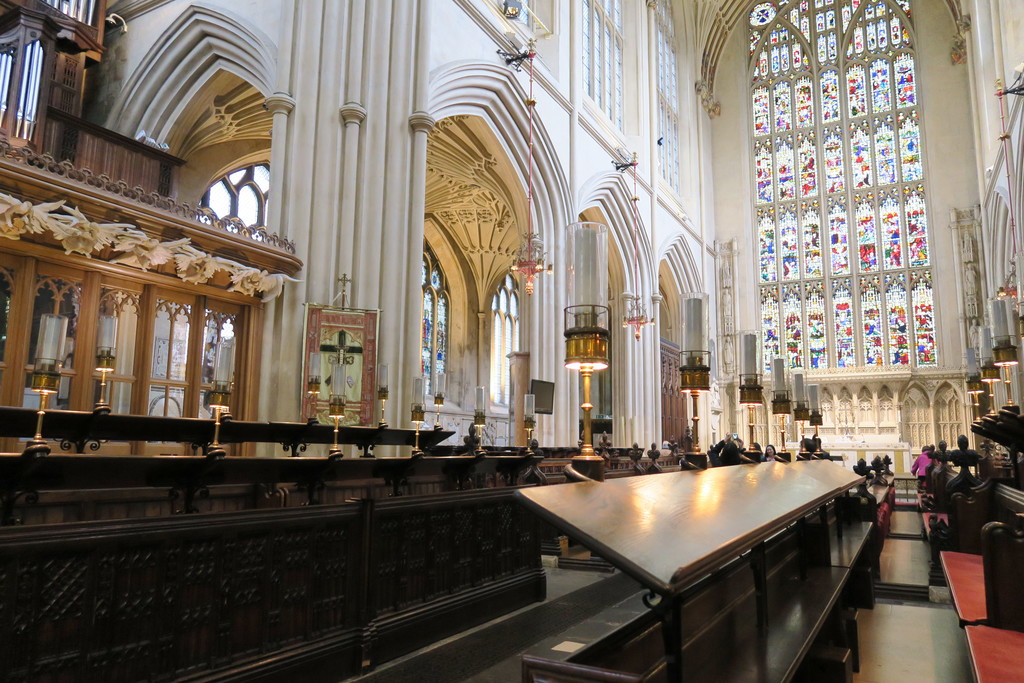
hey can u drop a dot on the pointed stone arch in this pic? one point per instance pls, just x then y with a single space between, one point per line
203 43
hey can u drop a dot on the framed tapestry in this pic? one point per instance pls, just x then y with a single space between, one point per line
341 335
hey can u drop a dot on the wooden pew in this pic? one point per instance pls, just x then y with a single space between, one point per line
740 554
987 596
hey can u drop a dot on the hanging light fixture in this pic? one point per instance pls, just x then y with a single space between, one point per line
529 260
636 313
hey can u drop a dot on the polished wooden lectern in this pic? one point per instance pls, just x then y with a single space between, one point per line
743 574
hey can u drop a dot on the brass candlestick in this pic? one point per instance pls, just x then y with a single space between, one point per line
382 396
751 396
45 381
975 388
104 365
438 402
816 421
1004 356
529 423
418 416
990 375
336 411
695 378
781 407
220 396
586 350
46 373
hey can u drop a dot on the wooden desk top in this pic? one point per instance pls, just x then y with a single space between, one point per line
667 530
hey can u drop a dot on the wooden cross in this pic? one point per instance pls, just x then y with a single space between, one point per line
345 280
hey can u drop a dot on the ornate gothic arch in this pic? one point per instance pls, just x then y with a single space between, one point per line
200 44
682 265
612 195
494 94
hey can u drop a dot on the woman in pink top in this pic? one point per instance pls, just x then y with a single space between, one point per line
920 466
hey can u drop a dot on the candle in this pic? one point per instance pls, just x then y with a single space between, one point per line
749 364
779 373
382 376
481 396
972 363
694 326
529 406
339 376
314 364
440 384
799 387
224 362
417 390
814 397
108 333
50 343
588 264
1000 317
985 342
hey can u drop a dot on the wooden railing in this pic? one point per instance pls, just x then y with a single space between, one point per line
103 152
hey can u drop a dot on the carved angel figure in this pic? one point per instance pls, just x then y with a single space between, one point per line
80 235
18 217
250 281
195 266
143 251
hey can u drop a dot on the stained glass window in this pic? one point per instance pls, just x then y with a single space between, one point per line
871 320
434 326
839 177
504 337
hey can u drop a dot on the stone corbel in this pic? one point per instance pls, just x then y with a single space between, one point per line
279 103
707 99
421 122
958 52
352 113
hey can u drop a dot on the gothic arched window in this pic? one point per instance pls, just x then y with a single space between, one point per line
602 55
241 194
839 192
504 337
434 329
668 97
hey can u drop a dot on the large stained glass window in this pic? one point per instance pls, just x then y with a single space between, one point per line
434 329
839 189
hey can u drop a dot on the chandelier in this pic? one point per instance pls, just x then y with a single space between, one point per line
636 313
529 261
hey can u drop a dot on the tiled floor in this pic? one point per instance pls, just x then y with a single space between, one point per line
911 643
905 561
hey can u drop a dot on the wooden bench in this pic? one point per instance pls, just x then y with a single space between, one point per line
986 593
995 654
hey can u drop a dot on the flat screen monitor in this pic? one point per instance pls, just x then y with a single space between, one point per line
544 393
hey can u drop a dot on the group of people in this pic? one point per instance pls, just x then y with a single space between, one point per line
732 451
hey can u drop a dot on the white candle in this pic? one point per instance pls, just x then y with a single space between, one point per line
481 396
339 375
814 397
224 362
440 385
1000 318
314 364
972 363
529 406
748 353
417 390
985 342
53 330
799 387
382 376
108 333
779 373
694 326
